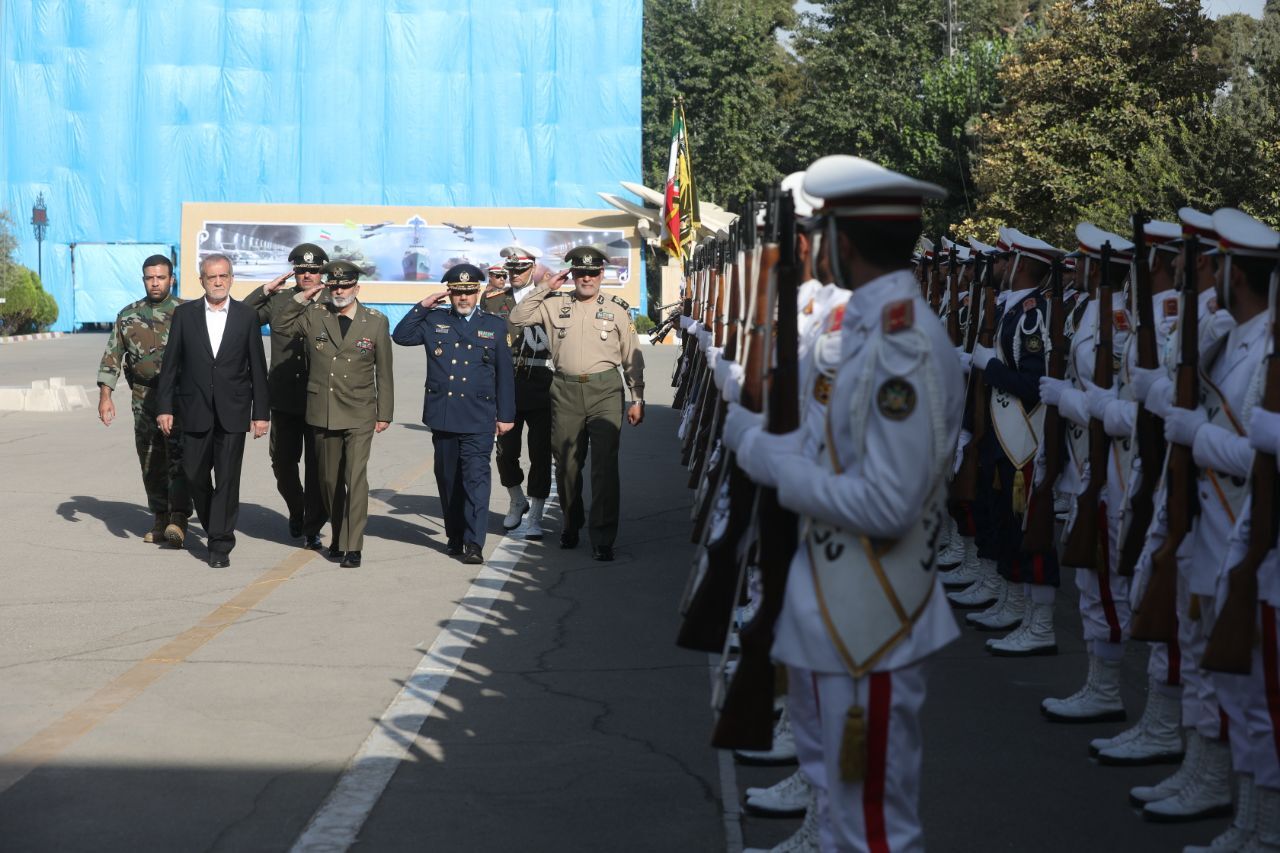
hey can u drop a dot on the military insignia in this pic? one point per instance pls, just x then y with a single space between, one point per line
509 339
808 307
1121 321
896 399
604 315
1034 344
836 318
438 351
1171 308
562 332
822 389
1028 304
443 327
364 345
485 333
625 306
322 338
898 317
600 299
564 312
308 257
464 276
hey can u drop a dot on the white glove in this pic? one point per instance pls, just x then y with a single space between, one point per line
737 423
966 361
1181 425
1039 471
982 356
732 389
1097 399
1264 432
1143 378
704 340
713 358
686 322
1160 397
961 444
722 372
1051 390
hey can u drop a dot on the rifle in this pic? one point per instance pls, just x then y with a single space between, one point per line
707 605
964 486
1148 428
1155 619
745 719
953 299
1230 646
935 289
681 378
709 427
702 374
1083 543
1039 520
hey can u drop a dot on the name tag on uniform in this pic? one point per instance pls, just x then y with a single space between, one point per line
486 334
443 327
604 315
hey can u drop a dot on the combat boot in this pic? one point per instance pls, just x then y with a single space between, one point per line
1206 794
519 506
1034 636
1266 835
1241 830
1156 738
783 750
533 524
1008 611
952 554
1144 794
969 570
981 592
156 533
806 838
176 530
1098 701
788 798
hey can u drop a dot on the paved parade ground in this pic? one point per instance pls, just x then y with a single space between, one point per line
537 703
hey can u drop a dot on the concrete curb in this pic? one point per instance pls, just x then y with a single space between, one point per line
39 336
45 395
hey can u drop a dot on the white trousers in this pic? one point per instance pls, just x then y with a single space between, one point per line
1252 703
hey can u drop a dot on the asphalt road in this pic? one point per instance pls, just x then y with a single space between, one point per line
148 702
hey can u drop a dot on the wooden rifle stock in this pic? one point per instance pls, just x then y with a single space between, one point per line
745 720
1155 619
1230 646
1039 521
709 427
964 486
1150 429
935 284
1084 540
701 374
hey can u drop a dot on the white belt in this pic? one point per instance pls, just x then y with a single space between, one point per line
536 362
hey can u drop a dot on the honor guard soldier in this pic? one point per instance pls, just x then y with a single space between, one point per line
469 398
858 622
136 346
591 336
350 392
292 441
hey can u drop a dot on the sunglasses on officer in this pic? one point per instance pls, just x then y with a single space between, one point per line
341 285
497 275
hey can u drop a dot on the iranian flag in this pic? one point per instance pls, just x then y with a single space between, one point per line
680 207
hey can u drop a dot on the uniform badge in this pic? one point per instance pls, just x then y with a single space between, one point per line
509 340
898 317
604 315
808 308
485 333
438 351
1120 320
896 399
364 345
560 333
1028 304
443 327
1171 308
1034 344
564 312
322 338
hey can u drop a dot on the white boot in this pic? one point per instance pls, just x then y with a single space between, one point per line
783 750
1144 794
533 524
970 568
952 553
1007 612
806 838
519 506
1098 701
1156 738
1206 794
788 798
1035 636
981 592
1266 835
1242 825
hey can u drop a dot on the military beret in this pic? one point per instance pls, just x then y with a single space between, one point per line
342 272
463 278
308 256
585 258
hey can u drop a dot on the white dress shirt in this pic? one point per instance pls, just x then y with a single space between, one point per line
215 320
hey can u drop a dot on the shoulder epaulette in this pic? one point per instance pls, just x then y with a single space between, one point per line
374 311
622 302
897 316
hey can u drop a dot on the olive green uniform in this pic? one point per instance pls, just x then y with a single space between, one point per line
349 388
291 439
589 342
136 347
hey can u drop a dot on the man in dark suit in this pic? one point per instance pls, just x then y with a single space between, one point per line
470 398
214 378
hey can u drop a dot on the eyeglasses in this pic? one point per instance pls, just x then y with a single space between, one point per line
586 273
498 276
341 285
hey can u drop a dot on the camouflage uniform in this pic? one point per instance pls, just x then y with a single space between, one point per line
136 346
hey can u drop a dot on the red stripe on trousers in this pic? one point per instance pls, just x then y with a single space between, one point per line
1269 669
1104 575
881 693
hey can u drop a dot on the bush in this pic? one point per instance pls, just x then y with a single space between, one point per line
644 325
27 307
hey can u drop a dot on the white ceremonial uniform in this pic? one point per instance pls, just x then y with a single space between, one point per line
894 416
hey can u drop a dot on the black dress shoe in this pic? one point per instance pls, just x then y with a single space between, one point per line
219 561
333 553
471 554
313 543
603 553
351 560
569 539
453 548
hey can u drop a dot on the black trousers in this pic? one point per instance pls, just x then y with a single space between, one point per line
293 441
210 457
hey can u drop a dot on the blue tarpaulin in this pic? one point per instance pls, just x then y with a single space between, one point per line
121 110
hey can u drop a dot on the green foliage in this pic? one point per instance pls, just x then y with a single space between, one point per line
644 325
27 307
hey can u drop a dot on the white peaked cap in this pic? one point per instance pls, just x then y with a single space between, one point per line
804 203
854 188
1242 235
1091 238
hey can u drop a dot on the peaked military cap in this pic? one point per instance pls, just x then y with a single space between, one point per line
804 203
342 272
309 257
1026 246
518 258
1242 235
1091 239
854 188
463 278
1166 236
585 259
1196 223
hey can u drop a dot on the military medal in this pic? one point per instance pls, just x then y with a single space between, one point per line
438 351
604 336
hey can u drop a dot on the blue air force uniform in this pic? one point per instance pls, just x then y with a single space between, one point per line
470 388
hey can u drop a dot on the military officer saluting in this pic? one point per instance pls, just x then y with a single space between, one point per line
532 356
350 393
136 346
469 399
292 440
590 336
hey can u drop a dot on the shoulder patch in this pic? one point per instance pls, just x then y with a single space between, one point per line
896 398
1121 320
1171 307
1029 303
625 306
375 312
898 316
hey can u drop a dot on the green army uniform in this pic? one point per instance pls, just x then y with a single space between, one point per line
136 347
589 342
349 389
